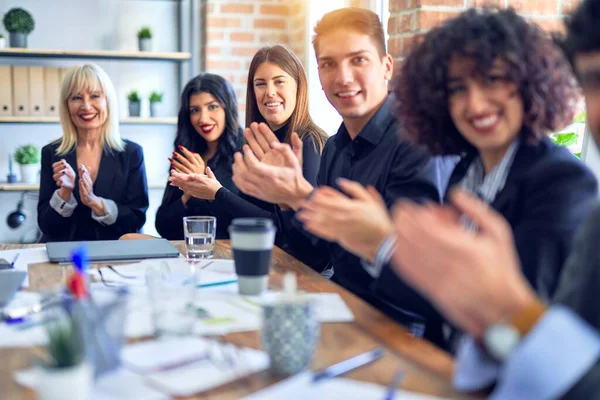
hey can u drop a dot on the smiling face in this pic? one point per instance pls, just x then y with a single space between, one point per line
353 75
487 110
207 116
275 91
88 109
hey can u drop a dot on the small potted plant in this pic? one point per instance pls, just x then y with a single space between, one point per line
155 100
2 41
28 158
134 103
145 39
67 375
19 23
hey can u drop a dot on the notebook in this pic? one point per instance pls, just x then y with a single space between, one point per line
113 250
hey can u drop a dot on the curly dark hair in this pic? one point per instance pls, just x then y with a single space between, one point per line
537 67
583 34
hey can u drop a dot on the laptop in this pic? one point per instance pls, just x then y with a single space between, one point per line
113 250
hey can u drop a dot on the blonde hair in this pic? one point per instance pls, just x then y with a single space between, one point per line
88 77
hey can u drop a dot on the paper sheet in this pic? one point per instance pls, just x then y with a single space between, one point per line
120 384
26 256
134 275
197 376
300 387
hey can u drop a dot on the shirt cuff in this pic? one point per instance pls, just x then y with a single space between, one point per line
382 257
474 369
64 208
111 212
553 357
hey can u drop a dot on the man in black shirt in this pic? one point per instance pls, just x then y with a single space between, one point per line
354 69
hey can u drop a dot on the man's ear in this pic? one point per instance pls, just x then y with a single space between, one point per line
388 63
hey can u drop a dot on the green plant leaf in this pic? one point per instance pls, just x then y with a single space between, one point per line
581 117
155 97
145 33
134 96
18 20
27 154
565 139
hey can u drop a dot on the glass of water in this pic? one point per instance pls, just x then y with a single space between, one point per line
172 296
199 237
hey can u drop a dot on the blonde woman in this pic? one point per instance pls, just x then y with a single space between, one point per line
93 183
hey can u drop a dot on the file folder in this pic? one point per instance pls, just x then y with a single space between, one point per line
20 90
6 96
51 91
36 91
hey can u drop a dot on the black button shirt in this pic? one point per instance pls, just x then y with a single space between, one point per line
378 157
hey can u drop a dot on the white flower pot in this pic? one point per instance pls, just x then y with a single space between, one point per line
2 43
73 383
145 44
30 173
154 109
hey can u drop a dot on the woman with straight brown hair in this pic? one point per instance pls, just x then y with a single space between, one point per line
276 100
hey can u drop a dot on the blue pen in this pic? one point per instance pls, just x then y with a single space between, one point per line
205 285
391 389
349 364
12 264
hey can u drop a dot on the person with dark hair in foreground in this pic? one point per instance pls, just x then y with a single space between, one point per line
525 349
487 86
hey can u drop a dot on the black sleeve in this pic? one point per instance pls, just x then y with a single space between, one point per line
306 247
51 223
580 278
132 210
231 205
171 212
311 160
556 202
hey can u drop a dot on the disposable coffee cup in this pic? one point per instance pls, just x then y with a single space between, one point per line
252 243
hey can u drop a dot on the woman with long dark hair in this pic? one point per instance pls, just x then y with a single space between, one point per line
208 134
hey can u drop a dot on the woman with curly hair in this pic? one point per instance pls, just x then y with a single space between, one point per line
489 87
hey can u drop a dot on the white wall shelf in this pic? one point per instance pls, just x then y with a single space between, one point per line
55 120
96 54
20 187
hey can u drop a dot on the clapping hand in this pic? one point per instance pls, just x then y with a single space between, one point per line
86 191
64 176
201 186
187 162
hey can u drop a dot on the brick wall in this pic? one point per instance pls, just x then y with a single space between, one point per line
235 29
409 19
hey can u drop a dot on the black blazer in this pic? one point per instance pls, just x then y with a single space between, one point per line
547 194
121 178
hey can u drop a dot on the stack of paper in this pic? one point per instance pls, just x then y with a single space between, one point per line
185 366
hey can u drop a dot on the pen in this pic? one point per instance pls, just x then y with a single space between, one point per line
391 389
205 285
349 364
12 264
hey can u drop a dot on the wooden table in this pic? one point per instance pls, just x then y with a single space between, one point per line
428 369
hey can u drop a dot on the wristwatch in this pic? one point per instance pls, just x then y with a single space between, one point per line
500 339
